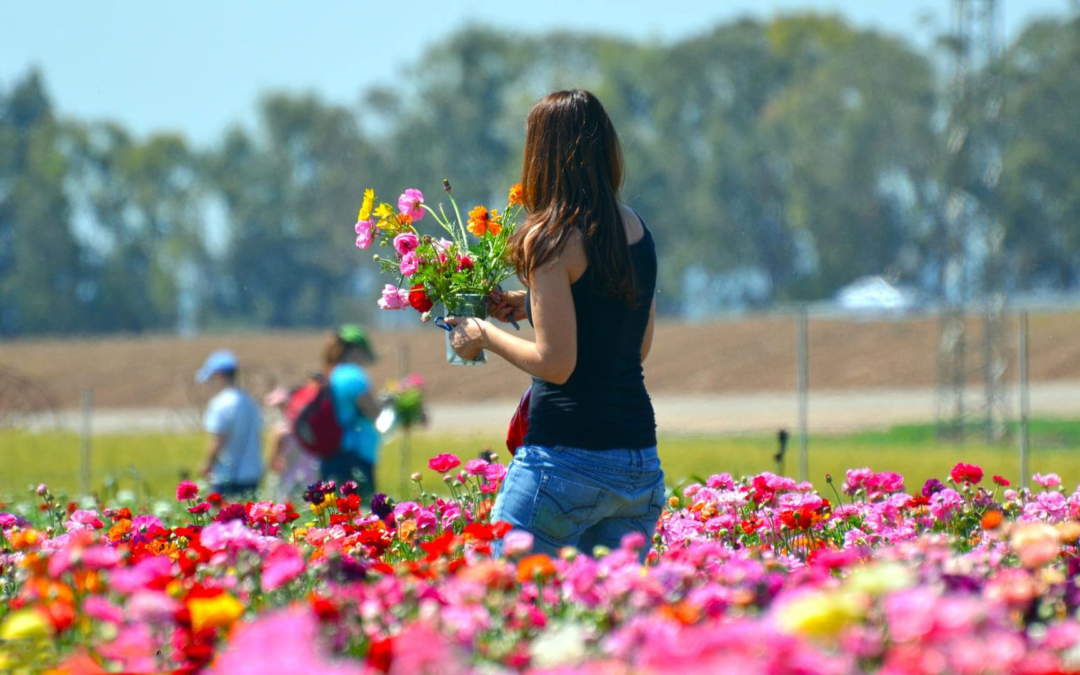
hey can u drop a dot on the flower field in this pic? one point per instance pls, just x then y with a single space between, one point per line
962 573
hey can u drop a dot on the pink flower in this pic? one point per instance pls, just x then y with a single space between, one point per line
464 262
1049 480
476 467
517 542
186 490
284 641
394 297
444 462
495 472
365 233
409 264
406 242
200 508
410 202
282 565
97 607
151 607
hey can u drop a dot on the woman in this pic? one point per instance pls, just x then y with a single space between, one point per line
588 473
355 408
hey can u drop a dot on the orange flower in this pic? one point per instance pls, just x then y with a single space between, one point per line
535 567
515 195
991 519
120 529
682 612
482 221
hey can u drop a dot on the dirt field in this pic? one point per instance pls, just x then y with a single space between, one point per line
725 358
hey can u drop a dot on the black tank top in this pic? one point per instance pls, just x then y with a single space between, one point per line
604 404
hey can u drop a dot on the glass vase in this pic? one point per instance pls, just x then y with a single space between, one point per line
470 305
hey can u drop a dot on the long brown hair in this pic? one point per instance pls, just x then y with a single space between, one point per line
570 178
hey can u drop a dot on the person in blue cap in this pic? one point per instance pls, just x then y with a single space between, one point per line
234 463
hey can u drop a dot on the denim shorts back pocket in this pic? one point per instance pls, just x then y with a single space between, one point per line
564 507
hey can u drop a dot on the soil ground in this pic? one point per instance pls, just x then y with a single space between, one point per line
729 375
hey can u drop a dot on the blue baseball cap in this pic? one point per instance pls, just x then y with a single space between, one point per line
220 360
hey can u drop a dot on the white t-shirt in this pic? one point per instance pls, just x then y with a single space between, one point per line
232 413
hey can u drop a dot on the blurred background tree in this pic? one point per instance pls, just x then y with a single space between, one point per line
774 160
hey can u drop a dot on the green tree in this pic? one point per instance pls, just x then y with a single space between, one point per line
41 260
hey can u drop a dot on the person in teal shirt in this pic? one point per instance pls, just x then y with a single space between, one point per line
355 407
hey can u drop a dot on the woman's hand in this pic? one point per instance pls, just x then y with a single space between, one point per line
506 306
468 336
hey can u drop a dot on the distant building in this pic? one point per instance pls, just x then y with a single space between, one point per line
875 294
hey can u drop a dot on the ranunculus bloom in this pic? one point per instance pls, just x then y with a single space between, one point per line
410 262
464 262
406 242
966 473
1002 481
419 300
186 490
394 297
410 202
1047 480
365 233
444 462
282 565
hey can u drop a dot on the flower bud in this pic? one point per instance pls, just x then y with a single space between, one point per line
415 477
446 184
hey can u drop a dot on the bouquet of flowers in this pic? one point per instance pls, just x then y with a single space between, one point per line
405 398
457 268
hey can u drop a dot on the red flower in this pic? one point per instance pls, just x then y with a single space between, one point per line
418 299
381 654
186 490
966 473
201 507
1003 482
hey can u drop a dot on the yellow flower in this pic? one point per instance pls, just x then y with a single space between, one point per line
365 206
25 624
880 579
821 613
384 211
220 610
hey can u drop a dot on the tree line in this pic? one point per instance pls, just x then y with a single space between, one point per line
774 161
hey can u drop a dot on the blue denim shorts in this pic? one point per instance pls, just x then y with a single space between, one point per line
583 498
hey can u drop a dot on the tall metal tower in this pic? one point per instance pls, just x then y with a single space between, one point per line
972 274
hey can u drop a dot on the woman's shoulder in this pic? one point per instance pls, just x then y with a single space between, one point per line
635 226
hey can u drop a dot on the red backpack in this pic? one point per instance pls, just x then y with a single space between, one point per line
310 410
519 423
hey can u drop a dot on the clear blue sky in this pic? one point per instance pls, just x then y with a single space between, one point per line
198 65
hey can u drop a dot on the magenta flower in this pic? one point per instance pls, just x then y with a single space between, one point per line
410 263
406 242
186 490
394 297
365 233
444 462
410 203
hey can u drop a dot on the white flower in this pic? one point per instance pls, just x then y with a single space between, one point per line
558 645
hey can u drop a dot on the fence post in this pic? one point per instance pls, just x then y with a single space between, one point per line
1025 401
405 458
802 376
84 450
